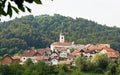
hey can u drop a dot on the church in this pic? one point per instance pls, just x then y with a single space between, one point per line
63 45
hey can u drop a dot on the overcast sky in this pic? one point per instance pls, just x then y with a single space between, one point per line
101 11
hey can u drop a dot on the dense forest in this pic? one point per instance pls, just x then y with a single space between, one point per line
31 32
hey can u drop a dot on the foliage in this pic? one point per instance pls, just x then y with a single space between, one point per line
83 64
31 32
41 68
71 50
28 62
111 68
100 60
16 68
15 5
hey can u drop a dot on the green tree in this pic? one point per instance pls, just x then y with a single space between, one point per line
111 68
28 62
84 64
19 5
100 60
16 68
42 68
5 70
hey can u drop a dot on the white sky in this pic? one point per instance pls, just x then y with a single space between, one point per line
101 11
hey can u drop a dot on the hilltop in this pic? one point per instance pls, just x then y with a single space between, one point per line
31 32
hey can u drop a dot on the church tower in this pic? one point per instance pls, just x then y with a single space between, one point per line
62 38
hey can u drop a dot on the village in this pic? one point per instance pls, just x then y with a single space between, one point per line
62 52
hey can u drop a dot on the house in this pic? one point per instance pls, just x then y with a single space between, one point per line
55 55
89 53
54 61
112 54
30 54
36 55
8 59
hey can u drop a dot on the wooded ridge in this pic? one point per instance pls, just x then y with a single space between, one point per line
31 32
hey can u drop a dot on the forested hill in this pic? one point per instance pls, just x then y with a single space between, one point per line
31 32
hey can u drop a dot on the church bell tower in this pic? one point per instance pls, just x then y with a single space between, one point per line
62 38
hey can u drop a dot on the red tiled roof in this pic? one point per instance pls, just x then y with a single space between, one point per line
109 50
112 55
7 59
88 51
62 43
41 51
29 53
97 46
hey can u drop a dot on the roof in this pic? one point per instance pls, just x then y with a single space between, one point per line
112 55
62 43
90 51
7 59
31 53
97 46
109 50
7 56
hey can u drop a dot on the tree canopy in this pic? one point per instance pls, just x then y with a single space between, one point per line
15 5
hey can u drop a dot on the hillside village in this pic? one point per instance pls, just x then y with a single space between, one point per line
63 52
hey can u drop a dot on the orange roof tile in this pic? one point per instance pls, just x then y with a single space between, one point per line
97 46
29 53
109 50
112 55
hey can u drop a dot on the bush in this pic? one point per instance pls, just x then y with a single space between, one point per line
98 70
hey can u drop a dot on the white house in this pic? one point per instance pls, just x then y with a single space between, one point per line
29 54
54 61
63 55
